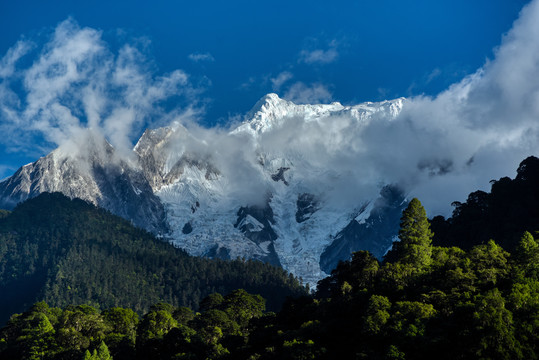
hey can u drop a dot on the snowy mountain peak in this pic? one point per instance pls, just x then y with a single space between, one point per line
272 112
269 100
266 113
275 197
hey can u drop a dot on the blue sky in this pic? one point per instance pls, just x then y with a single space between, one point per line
229 54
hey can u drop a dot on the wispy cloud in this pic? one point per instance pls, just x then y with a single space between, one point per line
7 63
418 85
278 81
320 55
433 75
483 125
301 93
249 83
5 171
198 57
77 82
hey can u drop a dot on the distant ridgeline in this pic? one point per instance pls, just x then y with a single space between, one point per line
511 207
67 251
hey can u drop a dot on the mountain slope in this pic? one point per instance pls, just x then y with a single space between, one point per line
257 191
93 172
69 252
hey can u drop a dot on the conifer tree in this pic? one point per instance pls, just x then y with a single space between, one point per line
527 255
415 245
101 353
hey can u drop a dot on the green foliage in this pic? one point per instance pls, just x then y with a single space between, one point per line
301 350
422 302
212 301
502 215
410 317
155 325
490 263
101 353
465 304
165 332
376 314
415 236
183 315
442 303
122 324
358 273
241 307
67 251
495 327
527 255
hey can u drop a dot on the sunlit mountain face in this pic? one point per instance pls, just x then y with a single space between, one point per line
259 190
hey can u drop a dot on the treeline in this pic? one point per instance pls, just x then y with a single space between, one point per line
421 302
501 214
66 252
165 332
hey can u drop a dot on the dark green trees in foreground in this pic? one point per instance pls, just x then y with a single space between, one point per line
421 302
165 332
448 304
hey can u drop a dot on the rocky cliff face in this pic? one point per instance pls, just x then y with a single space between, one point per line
272 203
93 173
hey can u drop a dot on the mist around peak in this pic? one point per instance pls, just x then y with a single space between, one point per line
436 148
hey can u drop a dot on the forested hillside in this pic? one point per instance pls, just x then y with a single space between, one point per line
510 208
422 302
67 251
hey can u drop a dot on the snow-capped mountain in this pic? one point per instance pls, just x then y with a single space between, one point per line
92 172
260 190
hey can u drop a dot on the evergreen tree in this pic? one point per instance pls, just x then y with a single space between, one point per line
415 236
101 353
65 251
527 255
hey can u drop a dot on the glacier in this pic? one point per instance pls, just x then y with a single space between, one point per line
254 191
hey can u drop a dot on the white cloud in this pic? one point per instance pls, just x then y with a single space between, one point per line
320 55
439 148
77 82
7 63
484 125
308 94
433 75
278 81
197 57
248 84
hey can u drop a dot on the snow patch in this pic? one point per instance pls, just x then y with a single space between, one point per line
251 224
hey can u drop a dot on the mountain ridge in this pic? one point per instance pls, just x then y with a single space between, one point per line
187 188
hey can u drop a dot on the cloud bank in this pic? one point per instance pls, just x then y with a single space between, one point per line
439 148
482 126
